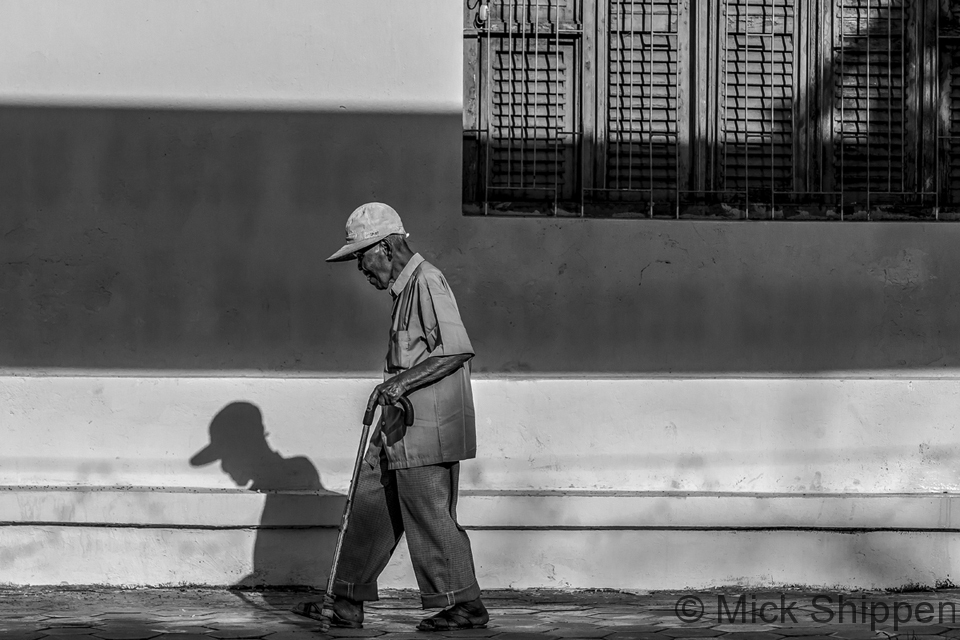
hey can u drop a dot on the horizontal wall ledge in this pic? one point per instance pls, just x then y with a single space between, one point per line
203 508
504 559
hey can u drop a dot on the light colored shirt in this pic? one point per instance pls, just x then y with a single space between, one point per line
426 322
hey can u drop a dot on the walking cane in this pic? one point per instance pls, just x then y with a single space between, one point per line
326 610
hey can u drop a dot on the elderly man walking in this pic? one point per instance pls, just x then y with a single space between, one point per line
409 481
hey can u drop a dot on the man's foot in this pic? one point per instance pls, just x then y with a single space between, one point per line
464 615
346 613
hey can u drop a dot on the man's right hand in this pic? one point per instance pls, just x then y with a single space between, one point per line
387 393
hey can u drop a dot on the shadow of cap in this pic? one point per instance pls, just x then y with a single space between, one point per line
237 428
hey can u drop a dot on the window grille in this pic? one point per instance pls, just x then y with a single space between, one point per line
642 87
871 109
948 172
757 91
846 109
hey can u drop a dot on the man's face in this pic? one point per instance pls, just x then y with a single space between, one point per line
375 265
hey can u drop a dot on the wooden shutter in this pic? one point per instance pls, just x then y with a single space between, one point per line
757 94
643 85
949 175
870 108
532 110
528 117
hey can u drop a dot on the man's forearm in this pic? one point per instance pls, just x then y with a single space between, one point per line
431 370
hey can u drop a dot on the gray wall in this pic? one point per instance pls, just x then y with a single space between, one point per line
176 239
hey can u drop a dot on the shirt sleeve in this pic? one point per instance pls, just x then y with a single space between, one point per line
443 329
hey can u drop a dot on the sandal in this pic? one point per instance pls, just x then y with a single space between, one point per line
314 611
456 617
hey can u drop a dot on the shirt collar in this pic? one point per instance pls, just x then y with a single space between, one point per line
401 282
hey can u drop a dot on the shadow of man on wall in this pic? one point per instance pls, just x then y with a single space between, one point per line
294 542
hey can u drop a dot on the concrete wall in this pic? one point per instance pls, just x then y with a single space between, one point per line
171 178
622 483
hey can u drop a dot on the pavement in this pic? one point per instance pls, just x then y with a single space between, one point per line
727 614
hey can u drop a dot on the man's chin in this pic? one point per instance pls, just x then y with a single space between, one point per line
377 284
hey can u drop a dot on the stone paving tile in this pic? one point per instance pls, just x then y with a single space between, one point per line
231 634
579 631
392 626
691 632
469 633
128 633
703 623
282 635
924 629
574 623
857 634
522 627
749 635
366 632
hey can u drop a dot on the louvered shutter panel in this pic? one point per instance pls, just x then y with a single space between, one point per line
757 85
532 137
952 134
870 106
529 70
950 124
642 99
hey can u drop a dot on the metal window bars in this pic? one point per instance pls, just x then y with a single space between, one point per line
643 152
592 102
530 99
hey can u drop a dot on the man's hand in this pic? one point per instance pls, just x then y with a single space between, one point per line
426 373
387 393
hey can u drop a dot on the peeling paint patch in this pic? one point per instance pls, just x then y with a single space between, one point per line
907 269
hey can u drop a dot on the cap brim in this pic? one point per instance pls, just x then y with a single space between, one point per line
346 251
205 456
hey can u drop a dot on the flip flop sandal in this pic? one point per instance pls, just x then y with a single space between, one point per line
313 610
448 620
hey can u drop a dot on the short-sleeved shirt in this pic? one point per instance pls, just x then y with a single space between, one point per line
426 322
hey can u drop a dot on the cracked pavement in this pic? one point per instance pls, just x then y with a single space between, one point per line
731 614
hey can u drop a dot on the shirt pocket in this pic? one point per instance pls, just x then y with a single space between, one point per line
400 355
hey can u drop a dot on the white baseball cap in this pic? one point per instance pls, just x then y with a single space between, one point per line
367 225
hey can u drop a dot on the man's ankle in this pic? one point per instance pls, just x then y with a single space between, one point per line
348 608
474 606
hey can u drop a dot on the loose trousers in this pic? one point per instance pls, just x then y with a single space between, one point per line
421 502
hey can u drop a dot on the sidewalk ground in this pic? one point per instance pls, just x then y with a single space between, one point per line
730 614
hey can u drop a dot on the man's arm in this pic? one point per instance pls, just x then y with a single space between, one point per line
431 370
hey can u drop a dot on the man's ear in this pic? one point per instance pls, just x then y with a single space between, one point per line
386 249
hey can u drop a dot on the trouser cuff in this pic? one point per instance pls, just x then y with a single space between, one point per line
450 598
359 591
